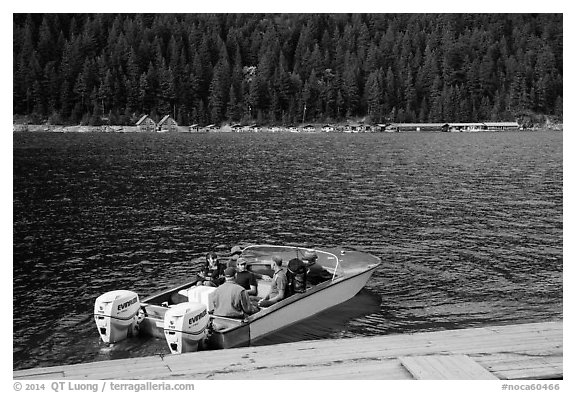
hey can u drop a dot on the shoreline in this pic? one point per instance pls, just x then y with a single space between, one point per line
43 128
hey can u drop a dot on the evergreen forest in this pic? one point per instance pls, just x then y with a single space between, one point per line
286 68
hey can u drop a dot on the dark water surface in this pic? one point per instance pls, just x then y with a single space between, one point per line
469 226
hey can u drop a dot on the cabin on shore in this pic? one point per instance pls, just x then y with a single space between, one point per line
308 128
327 128
358 127
255 128
167 124
353 127
502 126
210 128
194 128
454 127
146 124
405 127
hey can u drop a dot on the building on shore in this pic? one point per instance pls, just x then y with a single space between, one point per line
405 127
308 128
452 127
353 128
502 126
167 124
146 124
468 127
357 127
255 128
211 128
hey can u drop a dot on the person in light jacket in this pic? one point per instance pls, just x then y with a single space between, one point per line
279 284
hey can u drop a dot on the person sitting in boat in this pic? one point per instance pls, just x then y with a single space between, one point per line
235 253
279 284
248 256
212 273
315 272
230 299
296 276
246 279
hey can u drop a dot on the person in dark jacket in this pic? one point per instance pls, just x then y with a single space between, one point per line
315 272
212 274
296 275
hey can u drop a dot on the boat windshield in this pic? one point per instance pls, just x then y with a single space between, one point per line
260 258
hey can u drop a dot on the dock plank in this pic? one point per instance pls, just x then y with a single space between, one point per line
511 351
452 367
388 369
518 366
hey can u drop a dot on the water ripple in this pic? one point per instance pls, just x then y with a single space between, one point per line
469 227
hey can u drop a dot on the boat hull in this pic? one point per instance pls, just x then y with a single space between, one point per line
326 295
291 311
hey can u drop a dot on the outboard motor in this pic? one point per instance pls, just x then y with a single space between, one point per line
185 326
115 313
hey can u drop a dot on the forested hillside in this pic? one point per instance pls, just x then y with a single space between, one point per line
282 69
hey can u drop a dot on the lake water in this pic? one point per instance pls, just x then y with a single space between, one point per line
468 225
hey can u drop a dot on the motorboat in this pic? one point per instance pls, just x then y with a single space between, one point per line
189 325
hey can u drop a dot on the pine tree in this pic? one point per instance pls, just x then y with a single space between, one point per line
220 87
436 108
374 94
106 91
167 90
350 88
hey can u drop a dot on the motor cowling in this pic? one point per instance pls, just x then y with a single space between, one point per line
185 326
115 313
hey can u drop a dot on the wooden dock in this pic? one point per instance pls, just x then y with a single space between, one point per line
526 351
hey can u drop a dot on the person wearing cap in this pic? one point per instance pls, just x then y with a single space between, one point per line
315 272
279 284
246 279
235 253
211 273
249 256
230 299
